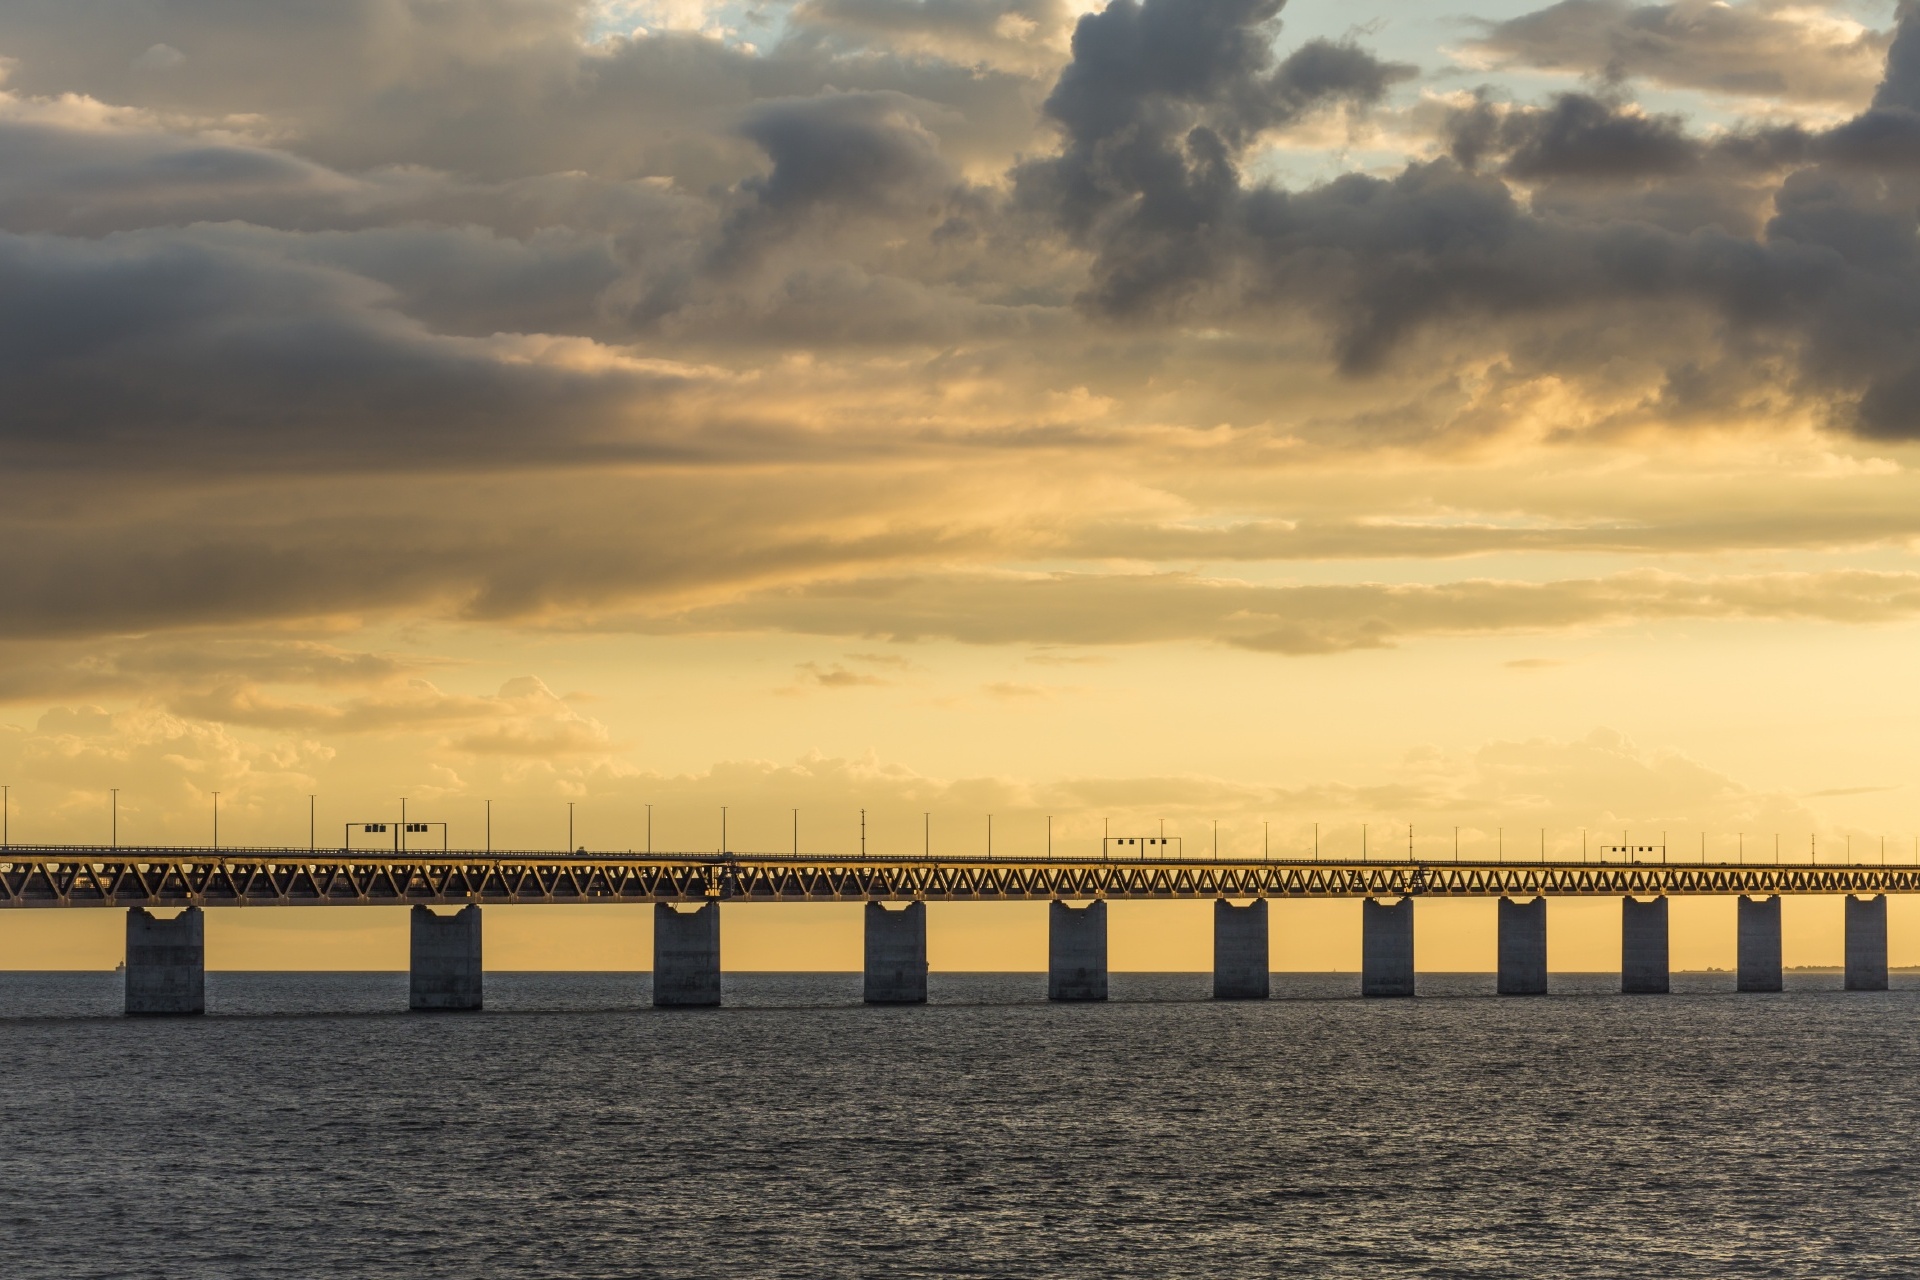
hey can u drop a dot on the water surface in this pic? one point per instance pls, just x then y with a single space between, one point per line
309 1127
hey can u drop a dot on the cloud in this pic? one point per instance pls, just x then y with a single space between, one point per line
1019 690
1089 609
835 676
406 309
1438 263
1578 136
37 672
1159 104
1750 50
1602 781
159 57
165 766
524 719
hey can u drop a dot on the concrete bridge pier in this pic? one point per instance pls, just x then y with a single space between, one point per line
1867 943
1643 946
443 961
896 954
1076 951
1386 948
166 963
686 956
1759 966
1240 950
1523 947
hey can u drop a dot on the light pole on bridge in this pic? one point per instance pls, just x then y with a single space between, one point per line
116 816
216 822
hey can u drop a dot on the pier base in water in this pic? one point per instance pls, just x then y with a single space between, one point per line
896 969
1643 946
1386 948
443 960
1523 947
686 956
1759 963
1076 951
1240 950
166 963
1867 943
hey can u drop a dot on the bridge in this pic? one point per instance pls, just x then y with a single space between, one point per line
166 969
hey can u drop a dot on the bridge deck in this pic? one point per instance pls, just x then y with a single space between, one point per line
92 876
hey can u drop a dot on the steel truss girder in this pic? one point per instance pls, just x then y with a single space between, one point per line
88 876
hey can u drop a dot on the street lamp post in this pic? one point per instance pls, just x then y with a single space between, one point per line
116 816
216 822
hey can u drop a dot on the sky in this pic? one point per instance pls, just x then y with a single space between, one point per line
1384 420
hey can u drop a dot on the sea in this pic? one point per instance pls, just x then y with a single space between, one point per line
309 1127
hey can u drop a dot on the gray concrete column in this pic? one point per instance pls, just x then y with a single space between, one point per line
1076 951
1240 950
166 963
1643 946
686 956
1759 944
1386 948
1867 943
1523 947
896 954
443 961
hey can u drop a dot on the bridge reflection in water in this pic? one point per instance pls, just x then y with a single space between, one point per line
165 958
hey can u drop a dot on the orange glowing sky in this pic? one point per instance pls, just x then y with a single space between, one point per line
1188 410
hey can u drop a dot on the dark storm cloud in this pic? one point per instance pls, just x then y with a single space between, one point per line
1158 106
1148 182
842 156
155 349
1579 136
